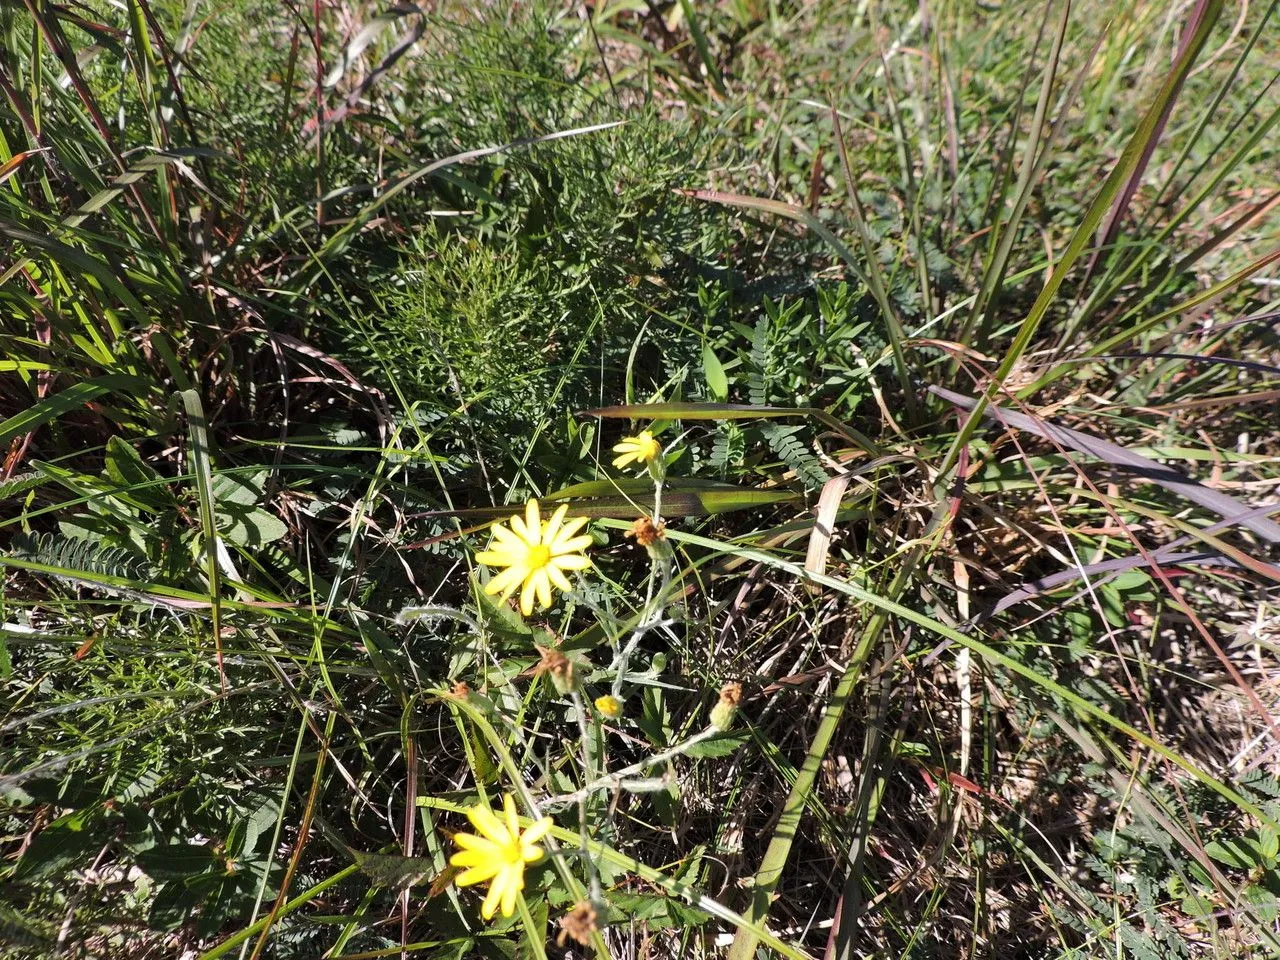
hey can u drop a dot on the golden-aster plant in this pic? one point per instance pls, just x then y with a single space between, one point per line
497 854
535 555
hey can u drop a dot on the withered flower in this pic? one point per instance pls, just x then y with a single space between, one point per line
578 925
646 532
559 667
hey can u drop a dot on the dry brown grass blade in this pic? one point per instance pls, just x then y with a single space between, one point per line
829 500
1116 455
1101 569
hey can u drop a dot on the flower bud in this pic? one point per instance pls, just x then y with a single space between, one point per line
559 667
609 706
726 708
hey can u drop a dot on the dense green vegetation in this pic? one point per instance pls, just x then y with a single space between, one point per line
956 324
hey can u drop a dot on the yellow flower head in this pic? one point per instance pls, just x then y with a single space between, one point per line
535 555
610 706
498 856
641 448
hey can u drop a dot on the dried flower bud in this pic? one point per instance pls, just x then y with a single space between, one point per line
726 708
609 706
460 689
646 532
558 667
579 924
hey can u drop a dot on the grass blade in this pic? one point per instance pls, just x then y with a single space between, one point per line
198 429
1128 162
75 396
1118 456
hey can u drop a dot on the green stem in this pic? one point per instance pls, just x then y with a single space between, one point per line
532 936
236 939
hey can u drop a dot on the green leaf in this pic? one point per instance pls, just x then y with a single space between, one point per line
1243 853
721 745
253 527
731 411
695 411
1264 902
240 519
1269 844
258 821
394 872
71 398
713 370
60 845
1196 905
142 484
239 488
681 497
1085 232
176 861
643 908
703 48
501 618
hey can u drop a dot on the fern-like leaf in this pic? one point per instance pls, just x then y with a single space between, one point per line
74 555
783 441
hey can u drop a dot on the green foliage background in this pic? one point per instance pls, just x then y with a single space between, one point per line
261 359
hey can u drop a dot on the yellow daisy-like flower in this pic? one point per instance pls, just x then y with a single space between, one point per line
535 554
498 855
642 448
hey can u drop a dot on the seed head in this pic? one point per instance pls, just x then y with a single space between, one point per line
578 925
646 532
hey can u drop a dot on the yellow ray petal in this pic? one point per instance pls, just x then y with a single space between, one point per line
537 830
472 858
513 821
571 561
552 529
509 894
494 896
487 822
542 587
507 580
518 529
469 878
469 841
526 597
505 537
566 532
559 579
573 545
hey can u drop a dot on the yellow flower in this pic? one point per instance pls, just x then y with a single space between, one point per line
535 554
498 856
641 448
611 707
